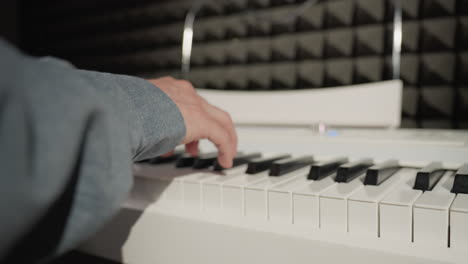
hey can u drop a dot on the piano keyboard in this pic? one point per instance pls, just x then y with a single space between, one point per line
367 198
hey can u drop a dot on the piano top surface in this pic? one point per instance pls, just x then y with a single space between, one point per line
417 147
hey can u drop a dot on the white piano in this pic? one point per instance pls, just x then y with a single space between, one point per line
324 177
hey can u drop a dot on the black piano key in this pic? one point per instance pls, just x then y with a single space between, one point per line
281 167
263 164
460 184
349 171
240 159
428 176
162 160
185 160
323 169
379 173
204 161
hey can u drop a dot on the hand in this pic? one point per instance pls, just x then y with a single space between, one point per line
202 120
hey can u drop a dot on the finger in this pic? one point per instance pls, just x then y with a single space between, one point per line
192 148
217 134
168 154
225 120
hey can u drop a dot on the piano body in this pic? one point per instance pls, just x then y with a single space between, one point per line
346 187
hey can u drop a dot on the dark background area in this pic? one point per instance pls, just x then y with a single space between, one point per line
75 257
10 20
260 45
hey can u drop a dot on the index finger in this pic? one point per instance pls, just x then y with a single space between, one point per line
217 134
225 120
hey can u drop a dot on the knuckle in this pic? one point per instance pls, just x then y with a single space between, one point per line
201 115
168 78
228 116
198 103
186 85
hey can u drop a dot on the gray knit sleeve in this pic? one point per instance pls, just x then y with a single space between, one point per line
67 141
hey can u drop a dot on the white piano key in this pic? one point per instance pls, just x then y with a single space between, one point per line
235 170
254 203
243 179
224 176
363 205
334 205
233 192
459 222
255 194
396 210
176 186
280 198
191 189
165 175
212 188
306 201
279 207
211 198
431 213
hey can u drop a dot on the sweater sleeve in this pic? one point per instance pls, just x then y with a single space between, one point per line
67 141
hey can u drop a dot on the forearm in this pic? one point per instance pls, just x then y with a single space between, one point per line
60 127
156 123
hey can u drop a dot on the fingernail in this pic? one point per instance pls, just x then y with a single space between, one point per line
225 161
229 161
